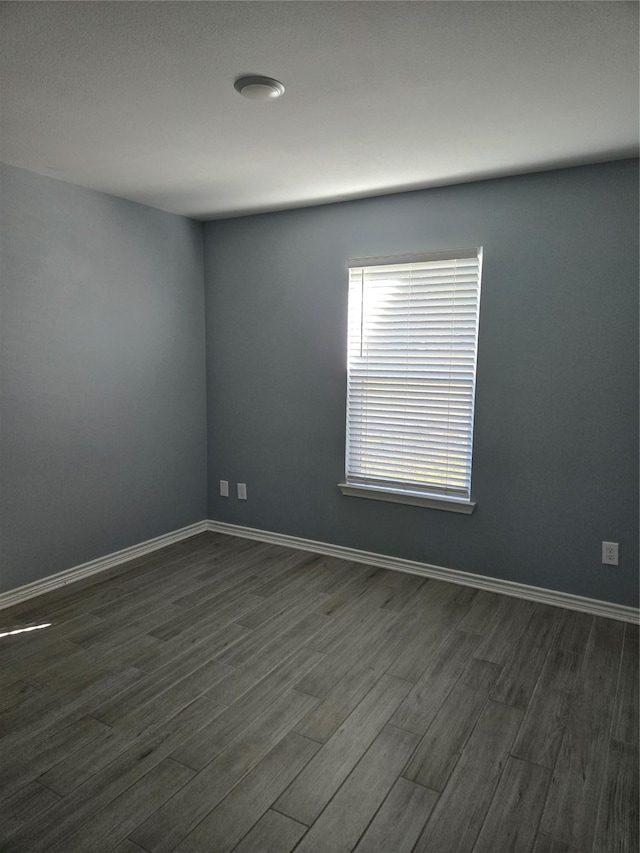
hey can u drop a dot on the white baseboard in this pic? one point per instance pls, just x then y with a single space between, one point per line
30 590
504 587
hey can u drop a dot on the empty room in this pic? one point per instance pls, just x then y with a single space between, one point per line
319 427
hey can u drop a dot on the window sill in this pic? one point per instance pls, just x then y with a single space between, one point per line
413 498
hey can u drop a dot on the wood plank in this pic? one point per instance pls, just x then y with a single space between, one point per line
561 671
441 747
167 651
472 783
146 716
127 846
617 821
22 646
112 778
111 747
444 666
24 805
280 559
433 596
512 820
26 762
404 587
508 626
35 660
400 819
574 633
299 629
14 694
208 619
69 602
227 577
152 686
267 609
625 713
323 721
84 668
544 844
348 814
211 740
314 787
274 831
439 623
278 584
342 573
47 709
543 728
147 613
168 694
546 716
485 610
360 588
224 827
522 667
572 804
286 578
174 821
351 620
366 646
121 815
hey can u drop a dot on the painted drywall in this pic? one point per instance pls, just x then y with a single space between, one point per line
103 375
555 467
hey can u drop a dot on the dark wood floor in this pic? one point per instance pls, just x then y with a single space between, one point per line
228 695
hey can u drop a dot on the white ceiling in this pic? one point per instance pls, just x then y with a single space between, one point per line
136 98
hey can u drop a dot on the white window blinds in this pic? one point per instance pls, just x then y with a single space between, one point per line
413 331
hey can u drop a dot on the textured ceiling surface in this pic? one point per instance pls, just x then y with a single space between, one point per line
137 98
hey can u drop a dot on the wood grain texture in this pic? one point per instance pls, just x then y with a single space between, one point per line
626 724
544 844
617 823
443 668
29 761
512 820
125 811
508 626
439 750
471 786
274 831
174 821
23 805
224 827
223 694
399 820
323 720
313 789
572 804
346 817
211 740
523 665
106 782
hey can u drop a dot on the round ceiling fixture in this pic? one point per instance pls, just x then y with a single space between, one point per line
258 88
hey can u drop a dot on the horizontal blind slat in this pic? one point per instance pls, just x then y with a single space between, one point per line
412 337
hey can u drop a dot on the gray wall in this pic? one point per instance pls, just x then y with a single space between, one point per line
103 375
556 433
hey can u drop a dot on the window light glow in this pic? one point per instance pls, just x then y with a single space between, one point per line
24 630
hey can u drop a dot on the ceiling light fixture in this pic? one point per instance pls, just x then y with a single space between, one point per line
258 88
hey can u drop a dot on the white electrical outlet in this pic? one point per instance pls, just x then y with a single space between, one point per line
242 491
224 488
610 553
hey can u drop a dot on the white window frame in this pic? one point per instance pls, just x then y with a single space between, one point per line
377 487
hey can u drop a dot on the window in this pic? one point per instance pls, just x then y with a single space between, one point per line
412 342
